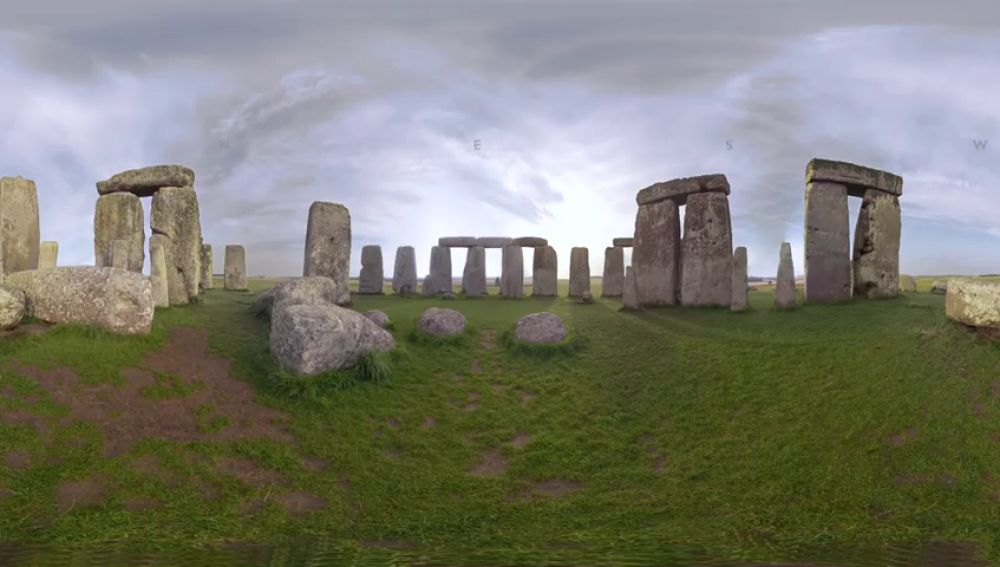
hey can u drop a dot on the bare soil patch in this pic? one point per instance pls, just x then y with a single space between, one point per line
521 440
428 423
476 368
527 397
300 502
150 465
907 436
249 472
218 407
73 494
488 339
25 330
17 460
390 544
492 463
141 504
552 488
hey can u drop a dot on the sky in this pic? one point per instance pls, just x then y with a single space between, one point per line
542 118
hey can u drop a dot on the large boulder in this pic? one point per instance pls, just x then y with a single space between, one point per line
378 317
973 302
540 328
12 307
939 287
441 322
175 216
117 300
328 245
146 181
308 291
311 339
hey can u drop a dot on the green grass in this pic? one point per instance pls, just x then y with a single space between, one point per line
758 436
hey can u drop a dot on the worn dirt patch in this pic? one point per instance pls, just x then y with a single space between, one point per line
521 440
527 397
73 494
150 465
38 423
907 436
17 460
141 504
226 405
492 463
393 424
553 488
488 339
25 330
301 502
389 544
314 464
476 368
392 454
249 472
428 423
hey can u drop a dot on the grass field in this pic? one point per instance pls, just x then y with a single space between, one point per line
757 436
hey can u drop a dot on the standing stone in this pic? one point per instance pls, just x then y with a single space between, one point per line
656 253
544 277
19 232
741 295
827 243
613 279
439 278
175 215
48 255
512 276
630 293
907 284
119 254
119 216
474 274
236 268
207 271
707 265
158 270
579 272
876 246
328 245
404 271
784 287
372 276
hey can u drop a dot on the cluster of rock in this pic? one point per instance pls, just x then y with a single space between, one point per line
832 271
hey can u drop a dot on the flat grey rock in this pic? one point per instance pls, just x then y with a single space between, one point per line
146 181
678 190
857 178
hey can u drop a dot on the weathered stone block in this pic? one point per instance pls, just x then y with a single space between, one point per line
630 292
457 241
19 232
784 287
119 216
707 265
544 272
404 272
613 279
530 241
328 245
858 179
146 181
625 242
158 270
876 246
48 255
474 274
973 302
175 214
494 241
741 296
235 275
907 284
205 282
439 280
372 275
827 243
678 190
656 253
512 276
579 272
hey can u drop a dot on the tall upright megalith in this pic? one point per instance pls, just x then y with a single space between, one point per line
707 251
544 272
19 231
630 294
827 243
372 272
48 255
235 274
613 279
119 216
876 246
784 290
207 272
158 270
328 246
512 276
404 271
656 253
474 274
741 297
175 215
439 278
579 271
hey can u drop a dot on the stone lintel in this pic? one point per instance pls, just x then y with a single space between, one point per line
857 178
679 189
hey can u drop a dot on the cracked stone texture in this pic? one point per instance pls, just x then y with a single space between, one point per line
235 274
544 279
827 243
973 302
404 272
512 275
474 273
146 181
176 216
613 278
741 295
707 251
119 216
328 245
876 246
372 272
656 253
307 290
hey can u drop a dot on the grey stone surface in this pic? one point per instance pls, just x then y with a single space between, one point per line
512 275
579 271
707 251
457 241
544 272
857 178
378 317
494 241
328 245
439 280
119 301
784 285
235 269
146 181
623 242
907 284
404 272
175 214
48 255
311 339
656 253
540 328
613 279
530 241
973 302
205 282
741 295
119 254
876 246
474 274
119 216
372 276
630 293
311 290
19 232
441 322
12 306
827 243
939 287
158 271
586 298
678 190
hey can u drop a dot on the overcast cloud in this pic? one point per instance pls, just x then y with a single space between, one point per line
576 106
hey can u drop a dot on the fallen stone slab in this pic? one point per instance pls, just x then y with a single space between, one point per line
530 241
624 242
973 302
540 329
857 178
19 228
310 290
494 241
678 190
441 322
146 181
457 241
311 339
119 301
